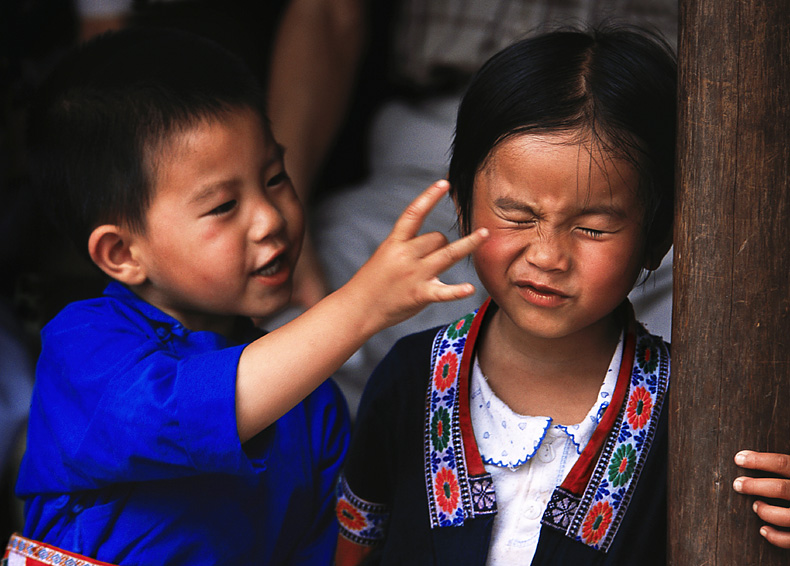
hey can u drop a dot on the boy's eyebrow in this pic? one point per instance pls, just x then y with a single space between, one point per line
205 192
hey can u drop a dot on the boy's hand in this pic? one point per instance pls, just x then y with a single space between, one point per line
775 488
402 276
280 369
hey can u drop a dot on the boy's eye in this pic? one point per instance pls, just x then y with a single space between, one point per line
277 179
224 208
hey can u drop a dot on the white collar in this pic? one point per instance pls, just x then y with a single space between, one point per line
508 439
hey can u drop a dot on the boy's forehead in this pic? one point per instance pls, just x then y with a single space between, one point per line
205 142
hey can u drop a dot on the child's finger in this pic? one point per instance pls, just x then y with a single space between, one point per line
775 536
425 244
766 461
442 292
763 487
411 219
779 516
455 251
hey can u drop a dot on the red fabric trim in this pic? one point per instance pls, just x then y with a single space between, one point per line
34 549
474 463
350 553
579 476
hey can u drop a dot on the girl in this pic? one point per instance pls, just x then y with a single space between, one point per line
542 437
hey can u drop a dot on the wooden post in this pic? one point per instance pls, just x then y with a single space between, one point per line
731 327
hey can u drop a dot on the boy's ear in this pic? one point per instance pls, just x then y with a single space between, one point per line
109 248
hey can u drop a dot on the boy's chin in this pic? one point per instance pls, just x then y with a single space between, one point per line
274 317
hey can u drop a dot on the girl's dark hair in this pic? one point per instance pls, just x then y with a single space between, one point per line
100 119
614 86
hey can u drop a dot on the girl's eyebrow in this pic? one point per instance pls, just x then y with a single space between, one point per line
509 203
603 210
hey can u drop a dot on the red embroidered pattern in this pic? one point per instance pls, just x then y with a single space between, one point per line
447 490
598 520
446 371
640 406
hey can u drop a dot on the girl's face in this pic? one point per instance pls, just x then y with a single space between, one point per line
567 241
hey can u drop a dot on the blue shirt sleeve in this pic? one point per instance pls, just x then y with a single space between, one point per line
120 398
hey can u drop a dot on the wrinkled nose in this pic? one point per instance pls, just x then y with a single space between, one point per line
548 253
267 221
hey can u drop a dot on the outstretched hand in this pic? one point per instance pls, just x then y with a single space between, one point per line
402 276
774 488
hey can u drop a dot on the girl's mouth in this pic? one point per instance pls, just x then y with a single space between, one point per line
542 296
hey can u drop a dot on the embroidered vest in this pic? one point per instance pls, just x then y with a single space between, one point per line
591 502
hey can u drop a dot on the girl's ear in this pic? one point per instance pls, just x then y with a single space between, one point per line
656 251
109 248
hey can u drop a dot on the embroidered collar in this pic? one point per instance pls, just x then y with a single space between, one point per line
590 503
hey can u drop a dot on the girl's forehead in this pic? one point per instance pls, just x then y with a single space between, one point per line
559 172
558 156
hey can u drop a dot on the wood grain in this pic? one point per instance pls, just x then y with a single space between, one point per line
731 317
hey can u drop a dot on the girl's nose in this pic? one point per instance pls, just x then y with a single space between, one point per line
547 253
267 220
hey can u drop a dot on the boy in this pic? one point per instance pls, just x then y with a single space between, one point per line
161 430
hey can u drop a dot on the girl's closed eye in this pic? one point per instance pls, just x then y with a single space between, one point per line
224 208
592 232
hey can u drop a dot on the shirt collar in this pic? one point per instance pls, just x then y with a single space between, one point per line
508 439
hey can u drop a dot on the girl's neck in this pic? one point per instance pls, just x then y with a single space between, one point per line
555 377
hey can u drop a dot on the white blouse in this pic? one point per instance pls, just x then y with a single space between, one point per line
508 444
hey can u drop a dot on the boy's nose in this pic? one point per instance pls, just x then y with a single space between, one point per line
547 253
267 221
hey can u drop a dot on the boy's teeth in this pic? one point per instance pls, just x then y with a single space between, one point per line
269 269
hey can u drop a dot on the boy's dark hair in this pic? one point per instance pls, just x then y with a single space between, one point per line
616 86
100 119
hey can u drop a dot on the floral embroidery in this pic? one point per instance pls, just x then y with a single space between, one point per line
349 517
560 510
440 428
639 408
483 494
360 521
460 327
446 371
622 465
646 356
447 490
597 522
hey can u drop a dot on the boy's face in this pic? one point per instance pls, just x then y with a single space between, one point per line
224 228
566 242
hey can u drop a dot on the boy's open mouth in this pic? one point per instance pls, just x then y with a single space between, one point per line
270 268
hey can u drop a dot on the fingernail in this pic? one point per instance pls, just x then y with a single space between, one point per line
754 507
740 458
764 531
737 485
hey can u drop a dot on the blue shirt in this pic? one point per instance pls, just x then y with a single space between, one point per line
133 453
